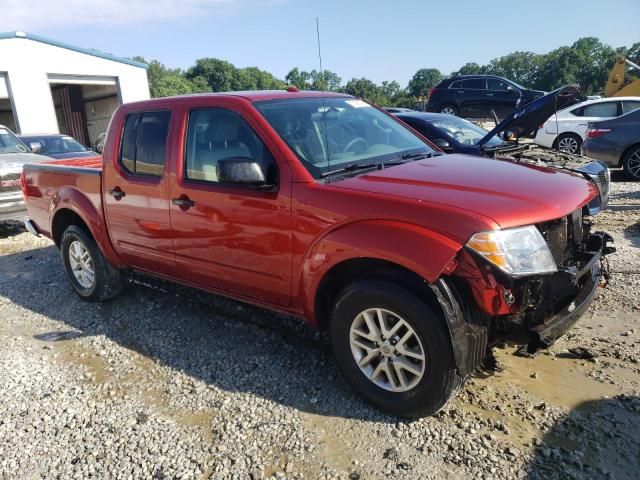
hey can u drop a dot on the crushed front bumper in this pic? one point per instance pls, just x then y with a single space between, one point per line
594 273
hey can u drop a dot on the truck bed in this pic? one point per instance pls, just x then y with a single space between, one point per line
45 180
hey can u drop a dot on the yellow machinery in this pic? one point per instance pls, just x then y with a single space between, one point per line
615 85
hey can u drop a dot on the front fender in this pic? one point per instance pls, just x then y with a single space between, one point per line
413 247
68 198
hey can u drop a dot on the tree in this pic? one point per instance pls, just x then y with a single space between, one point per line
470 68
172 84
314 80
521 67
297 78
219 74
366 89
423 80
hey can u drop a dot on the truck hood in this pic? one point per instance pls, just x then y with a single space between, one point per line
526 119
510 194
13 162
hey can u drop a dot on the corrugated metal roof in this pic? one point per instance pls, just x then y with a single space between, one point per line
86 51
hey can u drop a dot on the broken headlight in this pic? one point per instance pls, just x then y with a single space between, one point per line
516 251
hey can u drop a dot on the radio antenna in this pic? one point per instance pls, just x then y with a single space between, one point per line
322 88
319 51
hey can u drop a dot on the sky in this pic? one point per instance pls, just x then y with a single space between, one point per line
379 40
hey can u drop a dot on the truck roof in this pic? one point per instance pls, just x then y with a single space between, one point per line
251 95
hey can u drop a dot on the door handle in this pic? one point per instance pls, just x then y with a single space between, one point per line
117 193
489 94
460 91
184 202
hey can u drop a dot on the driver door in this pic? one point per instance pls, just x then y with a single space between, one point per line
228 237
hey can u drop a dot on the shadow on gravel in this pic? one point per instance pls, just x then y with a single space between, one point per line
222 342
596 440
632 232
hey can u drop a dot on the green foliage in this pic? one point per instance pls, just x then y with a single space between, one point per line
423 80
587 62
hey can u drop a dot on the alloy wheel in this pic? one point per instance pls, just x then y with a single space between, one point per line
568 145
448 111
633 164
387 350
81 264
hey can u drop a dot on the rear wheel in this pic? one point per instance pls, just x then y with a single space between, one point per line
393 349
92 277
569 143
449 109
631 163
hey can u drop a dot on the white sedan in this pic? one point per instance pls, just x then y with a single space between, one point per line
568 133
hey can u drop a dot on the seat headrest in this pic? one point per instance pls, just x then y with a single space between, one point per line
225 128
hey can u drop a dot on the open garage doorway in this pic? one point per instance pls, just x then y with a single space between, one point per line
84 106
7 116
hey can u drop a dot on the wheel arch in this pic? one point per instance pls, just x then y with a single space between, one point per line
71 207
364 248
627 150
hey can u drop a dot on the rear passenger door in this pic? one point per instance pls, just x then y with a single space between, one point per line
471 96
135 192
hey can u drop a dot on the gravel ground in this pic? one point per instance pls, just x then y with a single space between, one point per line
167 382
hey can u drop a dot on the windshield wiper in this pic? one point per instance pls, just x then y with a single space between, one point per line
417 155
361 166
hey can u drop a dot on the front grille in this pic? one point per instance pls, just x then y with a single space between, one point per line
10 182
556 235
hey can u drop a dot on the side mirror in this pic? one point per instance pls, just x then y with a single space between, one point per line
510 88
242 171
509 135
36 147
442 144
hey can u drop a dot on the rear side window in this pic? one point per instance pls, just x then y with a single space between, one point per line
475 83
605 109
457 84
630 106
144 141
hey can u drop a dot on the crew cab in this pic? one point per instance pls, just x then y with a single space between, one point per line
323 206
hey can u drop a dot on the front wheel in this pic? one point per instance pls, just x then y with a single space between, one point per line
393 349
92 277
631 163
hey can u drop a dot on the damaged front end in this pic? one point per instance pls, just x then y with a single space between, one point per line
532 154
532 310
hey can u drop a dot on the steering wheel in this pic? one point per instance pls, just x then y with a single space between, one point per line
354 142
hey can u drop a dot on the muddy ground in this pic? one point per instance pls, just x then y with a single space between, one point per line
168 382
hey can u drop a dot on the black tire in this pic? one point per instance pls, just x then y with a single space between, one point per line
449 109
440 380
571 140
108 281
631 163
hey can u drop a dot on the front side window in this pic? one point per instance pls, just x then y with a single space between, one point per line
330 133
463 131
497 85
475 84
604 109
144 141
217 134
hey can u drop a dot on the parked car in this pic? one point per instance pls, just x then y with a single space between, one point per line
13 155
568 130
475 96
98 145
320 205
457 135
55 145
616 142
397 109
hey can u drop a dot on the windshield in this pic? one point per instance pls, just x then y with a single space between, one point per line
56 144
463 131
9 143
330 133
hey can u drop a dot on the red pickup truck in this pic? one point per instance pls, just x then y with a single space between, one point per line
325 207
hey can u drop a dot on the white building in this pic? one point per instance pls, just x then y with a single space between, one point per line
52 87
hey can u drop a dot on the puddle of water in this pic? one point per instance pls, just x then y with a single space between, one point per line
563 382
